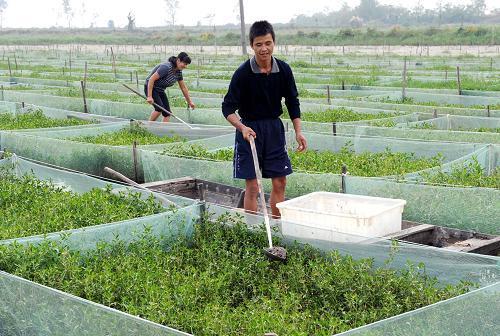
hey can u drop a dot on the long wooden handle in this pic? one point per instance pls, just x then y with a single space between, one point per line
133 183
158 106
258 175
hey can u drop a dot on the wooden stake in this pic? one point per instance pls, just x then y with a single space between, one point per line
488 111
10 69
85 75
328 94
15 60
334 128
403 90
344 174
84 98
134 154
459 84
113 65
3 98
137 79
70 62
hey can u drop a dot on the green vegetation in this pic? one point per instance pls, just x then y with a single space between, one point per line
220 283
35 119
127 136
411 101
93 94
469 174
29 206
285 34
359 164
342 114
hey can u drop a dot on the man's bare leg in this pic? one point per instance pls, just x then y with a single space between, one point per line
277 194
251 193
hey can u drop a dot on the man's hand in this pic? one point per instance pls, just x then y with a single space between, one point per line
247 133
150 100
301 140
191 104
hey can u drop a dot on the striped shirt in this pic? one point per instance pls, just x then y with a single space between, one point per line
168 75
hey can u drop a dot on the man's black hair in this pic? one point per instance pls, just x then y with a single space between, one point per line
260 28
183 57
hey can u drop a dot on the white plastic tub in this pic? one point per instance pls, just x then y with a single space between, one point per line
340 217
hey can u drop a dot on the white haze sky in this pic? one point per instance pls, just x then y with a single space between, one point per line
47 13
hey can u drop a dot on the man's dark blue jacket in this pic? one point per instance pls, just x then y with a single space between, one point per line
258 95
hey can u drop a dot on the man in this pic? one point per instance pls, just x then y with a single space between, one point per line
256 90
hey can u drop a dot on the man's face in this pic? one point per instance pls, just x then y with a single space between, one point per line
263 47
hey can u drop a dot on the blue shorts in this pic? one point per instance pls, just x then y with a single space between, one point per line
271 150
160 98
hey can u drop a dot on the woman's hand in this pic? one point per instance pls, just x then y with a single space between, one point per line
150 100
191 104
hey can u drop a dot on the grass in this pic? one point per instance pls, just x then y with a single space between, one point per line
469 174
342 114
359 164
29 206
35 119
220 283
127 136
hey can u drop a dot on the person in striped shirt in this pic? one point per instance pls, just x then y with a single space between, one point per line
165 75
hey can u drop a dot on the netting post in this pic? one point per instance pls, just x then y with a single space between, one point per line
198 75
459 84
446 74
343 84
343 181
334 128
328 94
403 89
134 155
10 69
490 155
85 75
70 62
3 98
137 79
84 98
131 77
488 111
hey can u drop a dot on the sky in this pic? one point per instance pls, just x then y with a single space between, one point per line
47 13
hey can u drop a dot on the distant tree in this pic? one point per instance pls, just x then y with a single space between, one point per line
131 21
111 24
68 11
3 6
172 7
95 15
475 10
418 11
356 22
367 9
